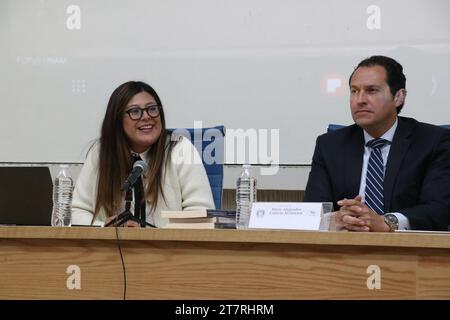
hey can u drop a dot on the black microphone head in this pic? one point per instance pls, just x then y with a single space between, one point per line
141 164
139 167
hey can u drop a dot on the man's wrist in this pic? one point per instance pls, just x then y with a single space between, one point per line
391 221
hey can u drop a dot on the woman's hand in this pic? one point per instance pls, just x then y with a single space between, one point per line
129 223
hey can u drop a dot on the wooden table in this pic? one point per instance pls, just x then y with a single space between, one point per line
221 264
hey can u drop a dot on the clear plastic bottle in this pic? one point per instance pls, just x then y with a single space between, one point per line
62 198
245 196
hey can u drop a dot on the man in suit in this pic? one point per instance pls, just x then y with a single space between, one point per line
384 172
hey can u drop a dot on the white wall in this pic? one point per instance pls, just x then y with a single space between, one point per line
251 64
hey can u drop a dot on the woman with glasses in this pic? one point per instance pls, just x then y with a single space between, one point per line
134 129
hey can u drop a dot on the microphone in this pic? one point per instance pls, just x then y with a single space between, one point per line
139 168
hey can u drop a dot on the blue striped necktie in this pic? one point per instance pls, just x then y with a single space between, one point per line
374 195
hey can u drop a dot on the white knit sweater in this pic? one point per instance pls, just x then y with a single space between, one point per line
185 186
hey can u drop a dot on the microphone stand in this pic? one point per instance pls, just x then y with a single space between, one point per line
126 215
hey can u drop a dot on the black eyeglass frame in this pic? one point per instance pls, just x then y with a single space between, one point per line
141 110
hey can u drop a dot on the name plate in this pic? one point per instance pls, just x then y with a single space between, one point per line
288 215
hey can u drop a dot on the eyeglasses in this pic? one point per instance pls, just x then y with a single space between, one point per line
137 113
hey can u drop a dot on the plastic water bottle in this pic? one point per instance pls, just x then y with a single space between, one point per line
245 196
62 198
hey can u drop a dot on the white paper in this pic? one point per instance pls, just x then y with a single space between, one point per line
286 215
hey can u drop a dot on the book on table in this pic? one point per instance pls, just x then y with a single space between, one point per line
200 219
203 213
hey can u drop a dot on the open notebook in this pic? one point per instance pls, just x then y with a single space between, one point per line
25 196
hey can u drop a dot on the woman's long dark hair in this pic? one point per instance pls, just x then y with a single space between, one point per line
115 161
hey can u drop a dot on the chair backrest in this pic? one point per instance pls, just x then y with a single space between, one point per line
334 127
210 145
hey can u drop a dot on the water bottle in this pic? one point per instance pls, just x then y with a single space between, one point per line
245 196
62 198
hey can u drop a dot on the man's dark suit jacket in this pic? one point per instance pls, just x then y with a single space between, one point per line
417 177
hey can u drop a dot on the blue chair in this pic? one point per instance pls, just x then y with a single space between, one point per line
210 145
334 127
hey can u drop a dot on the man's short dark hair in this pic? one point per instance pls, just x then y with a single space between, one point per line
395 78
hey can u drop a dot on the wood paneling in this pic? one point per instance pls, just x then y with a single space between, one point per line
229 197
221 264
